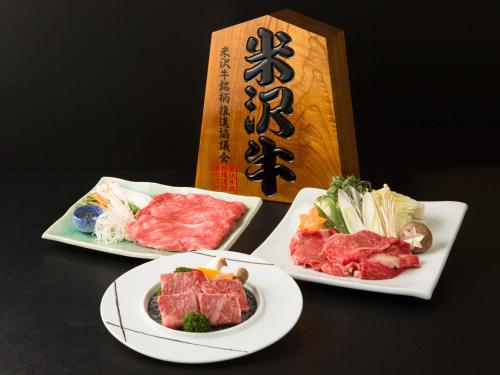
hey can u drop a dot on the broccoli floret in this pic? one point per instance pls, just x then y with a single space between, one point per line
195 322
183 269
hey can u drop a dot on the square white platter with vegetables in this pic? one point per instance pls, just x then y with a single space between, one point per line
356 237
175 213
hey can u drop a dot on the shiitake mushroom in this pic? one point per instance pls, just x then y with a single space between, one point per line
241 274
418 235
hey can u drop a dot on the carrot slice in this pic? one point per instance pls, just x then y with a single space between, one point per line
311 221
103 202
314 211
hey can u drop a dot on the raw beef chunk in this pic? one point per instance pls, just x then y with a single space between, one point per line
173 307
227 287
180 282
220 309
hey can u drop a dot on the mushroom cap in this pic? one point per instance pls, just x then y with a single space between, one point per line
418 235
241 274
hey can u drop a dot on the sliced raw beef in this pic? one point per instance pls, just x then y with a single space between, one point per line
306 247
220 309
367 255
364 254
184 222
347 248
181 282
173 308
337 269
376 271
227 287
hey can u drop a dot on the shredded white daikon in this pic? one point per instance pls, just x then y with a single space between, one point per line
111 225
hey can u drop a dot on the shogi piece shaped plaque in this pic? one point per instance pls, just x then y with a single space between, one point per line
277 115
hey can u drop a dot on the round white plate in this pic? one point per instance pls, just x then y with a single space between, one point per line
123 311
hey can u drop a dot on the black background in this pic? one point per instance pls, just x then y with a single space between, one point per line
120 84
93 88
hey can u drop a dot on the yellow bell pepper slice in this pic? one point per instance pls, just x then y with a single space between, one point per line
209 273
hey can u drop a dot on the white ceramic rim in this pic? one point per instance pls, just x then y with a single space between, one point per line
253 204
443 218
124 314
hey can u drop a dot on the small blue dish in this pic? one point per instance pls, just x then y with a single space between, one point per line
84 217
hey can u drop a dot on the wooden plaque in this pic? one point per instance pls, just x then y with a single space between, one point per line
277 115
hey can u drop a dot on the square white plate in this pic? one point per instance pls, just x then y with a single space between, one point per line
64 231
442 218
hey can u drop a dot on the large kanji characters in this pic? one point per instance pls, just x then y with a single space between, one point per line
264 154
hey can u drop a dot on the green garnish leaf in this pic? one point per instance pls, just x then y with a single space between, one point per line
158 291
133 207
183 269
341 182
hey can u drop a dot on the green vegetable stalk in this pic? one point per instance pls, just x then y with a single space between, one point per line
329 209
196 322
328 204
133 208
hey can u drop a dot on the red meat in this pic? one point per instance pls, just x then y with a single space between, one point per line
173 308
337 269
220 309
181 282
365 254
347 248
306 247
227 287
222 300
184 222
376 271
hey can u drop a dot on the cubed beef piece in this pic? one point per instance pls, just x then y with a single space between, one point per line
220 309
173 308
181 282
226 286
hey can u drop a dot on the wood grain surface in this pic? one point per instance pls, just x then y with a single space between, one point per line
324 142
